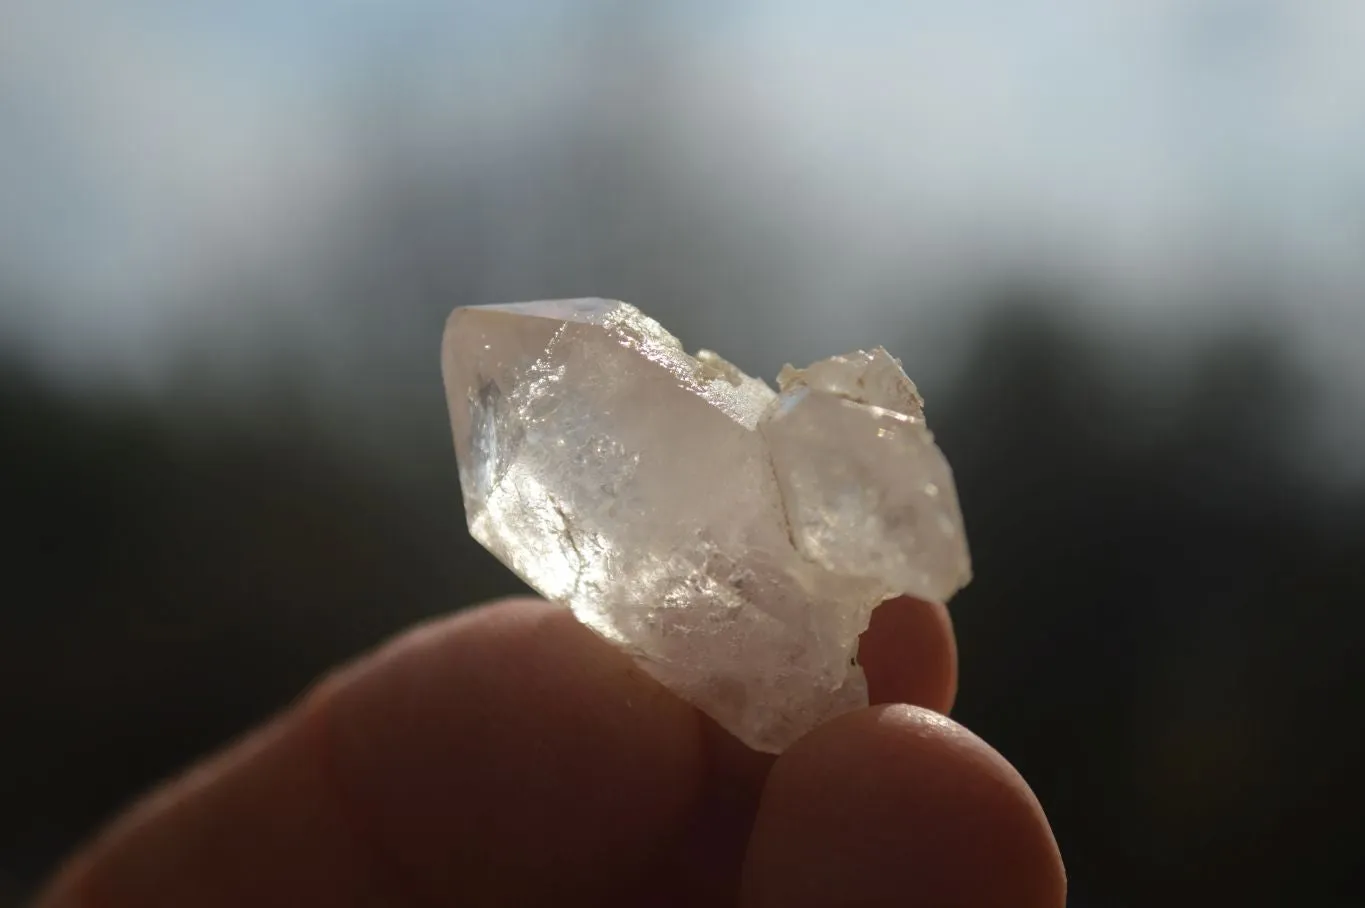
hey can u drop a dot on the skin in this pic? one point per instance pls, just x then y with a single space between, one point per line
507 756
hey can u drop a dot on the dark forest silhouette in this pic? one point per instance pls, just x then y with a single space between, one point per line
1163 635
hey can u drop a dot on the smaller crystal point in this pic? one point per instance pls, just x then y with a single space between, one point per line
867 491
733 540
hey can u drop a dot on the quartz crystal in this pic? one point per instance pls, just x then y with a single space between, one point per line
732 539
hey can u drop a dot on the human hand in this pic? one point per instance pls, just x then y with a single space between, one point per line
507 756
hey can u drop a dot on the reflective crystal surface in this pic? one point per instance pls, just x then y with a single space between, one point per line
734 540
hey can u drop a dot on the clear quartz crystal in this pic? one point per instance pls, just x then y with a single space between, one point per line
733 540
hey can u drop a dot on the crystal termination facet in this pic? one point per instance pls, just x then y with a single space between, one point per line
732 539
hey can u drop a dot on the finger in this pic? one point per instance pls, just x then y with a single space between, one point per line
515 758
910 654
896 805
503 756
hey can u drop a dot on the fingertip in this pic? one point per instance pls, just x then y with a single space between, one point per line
897 805
909 653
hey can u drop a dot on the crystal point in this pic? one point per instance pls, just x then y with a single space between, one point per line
732 539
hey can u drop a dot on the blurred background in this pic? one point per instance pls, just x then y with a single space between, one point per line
1120 246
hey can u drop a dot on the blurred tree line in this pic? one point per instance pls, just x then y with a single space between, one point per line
1164 632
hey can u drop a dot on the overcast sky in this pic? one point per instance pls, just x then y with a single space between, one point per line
151 144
